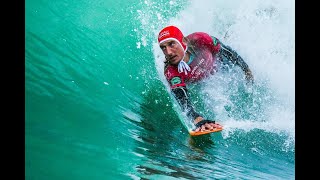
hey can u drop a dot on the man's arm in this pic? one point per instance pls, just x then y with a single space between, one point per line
181 95
233 56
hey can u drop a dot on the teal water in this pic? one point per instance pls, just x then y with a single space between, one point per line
97 105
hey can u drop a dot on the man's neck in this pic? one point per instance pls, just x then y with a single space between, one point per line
186 57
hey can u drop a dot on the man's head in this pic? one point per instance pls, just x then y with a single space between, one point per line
172 44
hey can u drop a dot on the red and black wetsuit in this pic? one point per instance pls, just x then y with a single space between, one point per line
204 51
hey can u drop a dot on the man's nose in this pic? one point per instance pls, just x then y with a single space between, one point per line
169 50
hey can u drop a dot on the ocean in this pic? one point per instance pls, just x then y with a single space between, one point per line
97 105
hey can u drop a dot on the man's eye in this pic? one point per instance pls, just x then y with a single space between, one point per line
163 48
171 44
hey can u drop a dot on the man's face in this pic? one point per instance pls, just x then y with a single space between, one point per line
172 50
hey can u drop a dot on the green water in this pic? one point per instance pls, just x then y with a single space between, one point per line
96 108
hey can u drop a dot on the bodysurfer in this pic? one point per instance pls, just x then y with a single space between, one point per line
189 59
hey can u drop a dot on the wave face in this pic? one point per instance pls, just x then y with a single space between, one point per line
98 106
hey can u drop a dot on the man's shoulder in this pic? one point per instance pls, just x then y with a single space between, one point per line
200 39
198 35
168 66
171 70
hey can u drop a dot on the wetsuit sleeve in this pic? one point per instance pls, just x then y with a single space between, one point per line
181 95
179 90
233 56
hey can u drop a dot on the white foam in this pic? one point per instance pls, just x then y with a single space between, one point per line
263 33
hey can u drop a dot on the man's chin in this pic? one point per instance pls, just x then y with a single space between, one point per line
174 62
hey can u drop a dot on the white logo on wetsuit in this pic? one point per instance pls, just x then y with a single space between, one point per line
197 66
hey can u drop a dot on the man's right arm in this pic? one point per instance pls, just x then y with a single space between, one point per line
181 95
179 90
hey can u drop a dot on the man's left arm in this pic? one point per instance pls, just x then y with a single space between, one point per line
235 58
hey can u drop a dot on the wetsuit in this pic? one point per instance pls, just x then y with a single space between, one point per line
204 51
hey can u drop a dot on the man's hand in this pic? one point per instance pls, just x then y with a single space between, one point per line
205 127
198 119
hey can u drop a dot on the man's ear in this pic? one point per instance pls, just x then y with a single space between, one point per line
184 41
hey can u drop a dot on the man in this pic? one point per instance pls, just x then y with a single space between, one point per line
190 59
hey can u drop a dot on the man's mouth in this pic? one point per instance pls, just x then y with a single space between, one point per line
172 58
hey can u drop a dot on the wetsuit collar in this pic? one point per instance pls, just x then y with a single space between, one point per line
190 59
